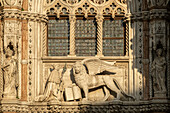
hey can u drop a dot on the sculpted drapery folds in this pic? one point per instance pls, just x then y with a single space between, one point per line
10 74
158 72
52 87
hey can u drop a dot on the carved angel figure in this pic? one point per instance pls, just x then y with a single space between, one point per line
10 75
158 72
86 77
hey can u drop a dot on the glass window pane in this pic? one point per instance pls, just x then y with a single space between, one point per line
86 37
113 38
58 37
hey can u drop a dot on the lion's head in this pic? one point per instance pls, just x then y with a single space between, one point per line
77 67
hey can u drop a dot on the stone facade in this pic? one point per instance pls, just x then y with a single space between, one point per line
33 81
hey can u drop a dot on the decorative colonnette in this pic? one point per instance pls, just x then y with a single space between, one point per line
112 107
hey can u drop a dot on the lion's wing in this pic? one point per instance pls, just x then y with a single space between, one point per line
96 66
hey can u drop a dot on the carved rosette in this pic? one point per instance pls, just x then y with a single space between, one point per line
72 19
99 35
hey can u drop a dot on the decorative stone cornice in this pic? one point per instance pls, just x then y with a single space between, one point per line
152 14
17 14
115 106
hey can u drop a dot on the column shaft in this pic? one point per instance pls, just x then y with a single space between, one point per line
72 19
99 35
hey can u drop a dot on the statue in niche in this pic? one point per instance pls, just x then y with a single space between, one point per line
87 76
53 87
158 73
9 68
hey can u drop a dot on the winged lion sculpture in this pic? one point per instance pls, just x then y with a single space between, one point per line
86 77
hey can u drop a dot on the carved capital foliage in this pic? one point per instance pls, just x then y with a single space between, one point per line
99 18
72 19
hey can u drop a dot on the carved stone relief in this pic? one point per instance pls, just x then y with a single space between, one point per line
52 86
12 32
102 83
88 79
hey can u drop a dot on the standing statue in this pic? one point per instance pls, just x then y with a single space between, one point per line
10 75
86 77
158 73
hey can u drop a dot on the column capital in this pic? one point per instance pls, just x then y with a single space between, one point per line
72 18
99 18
